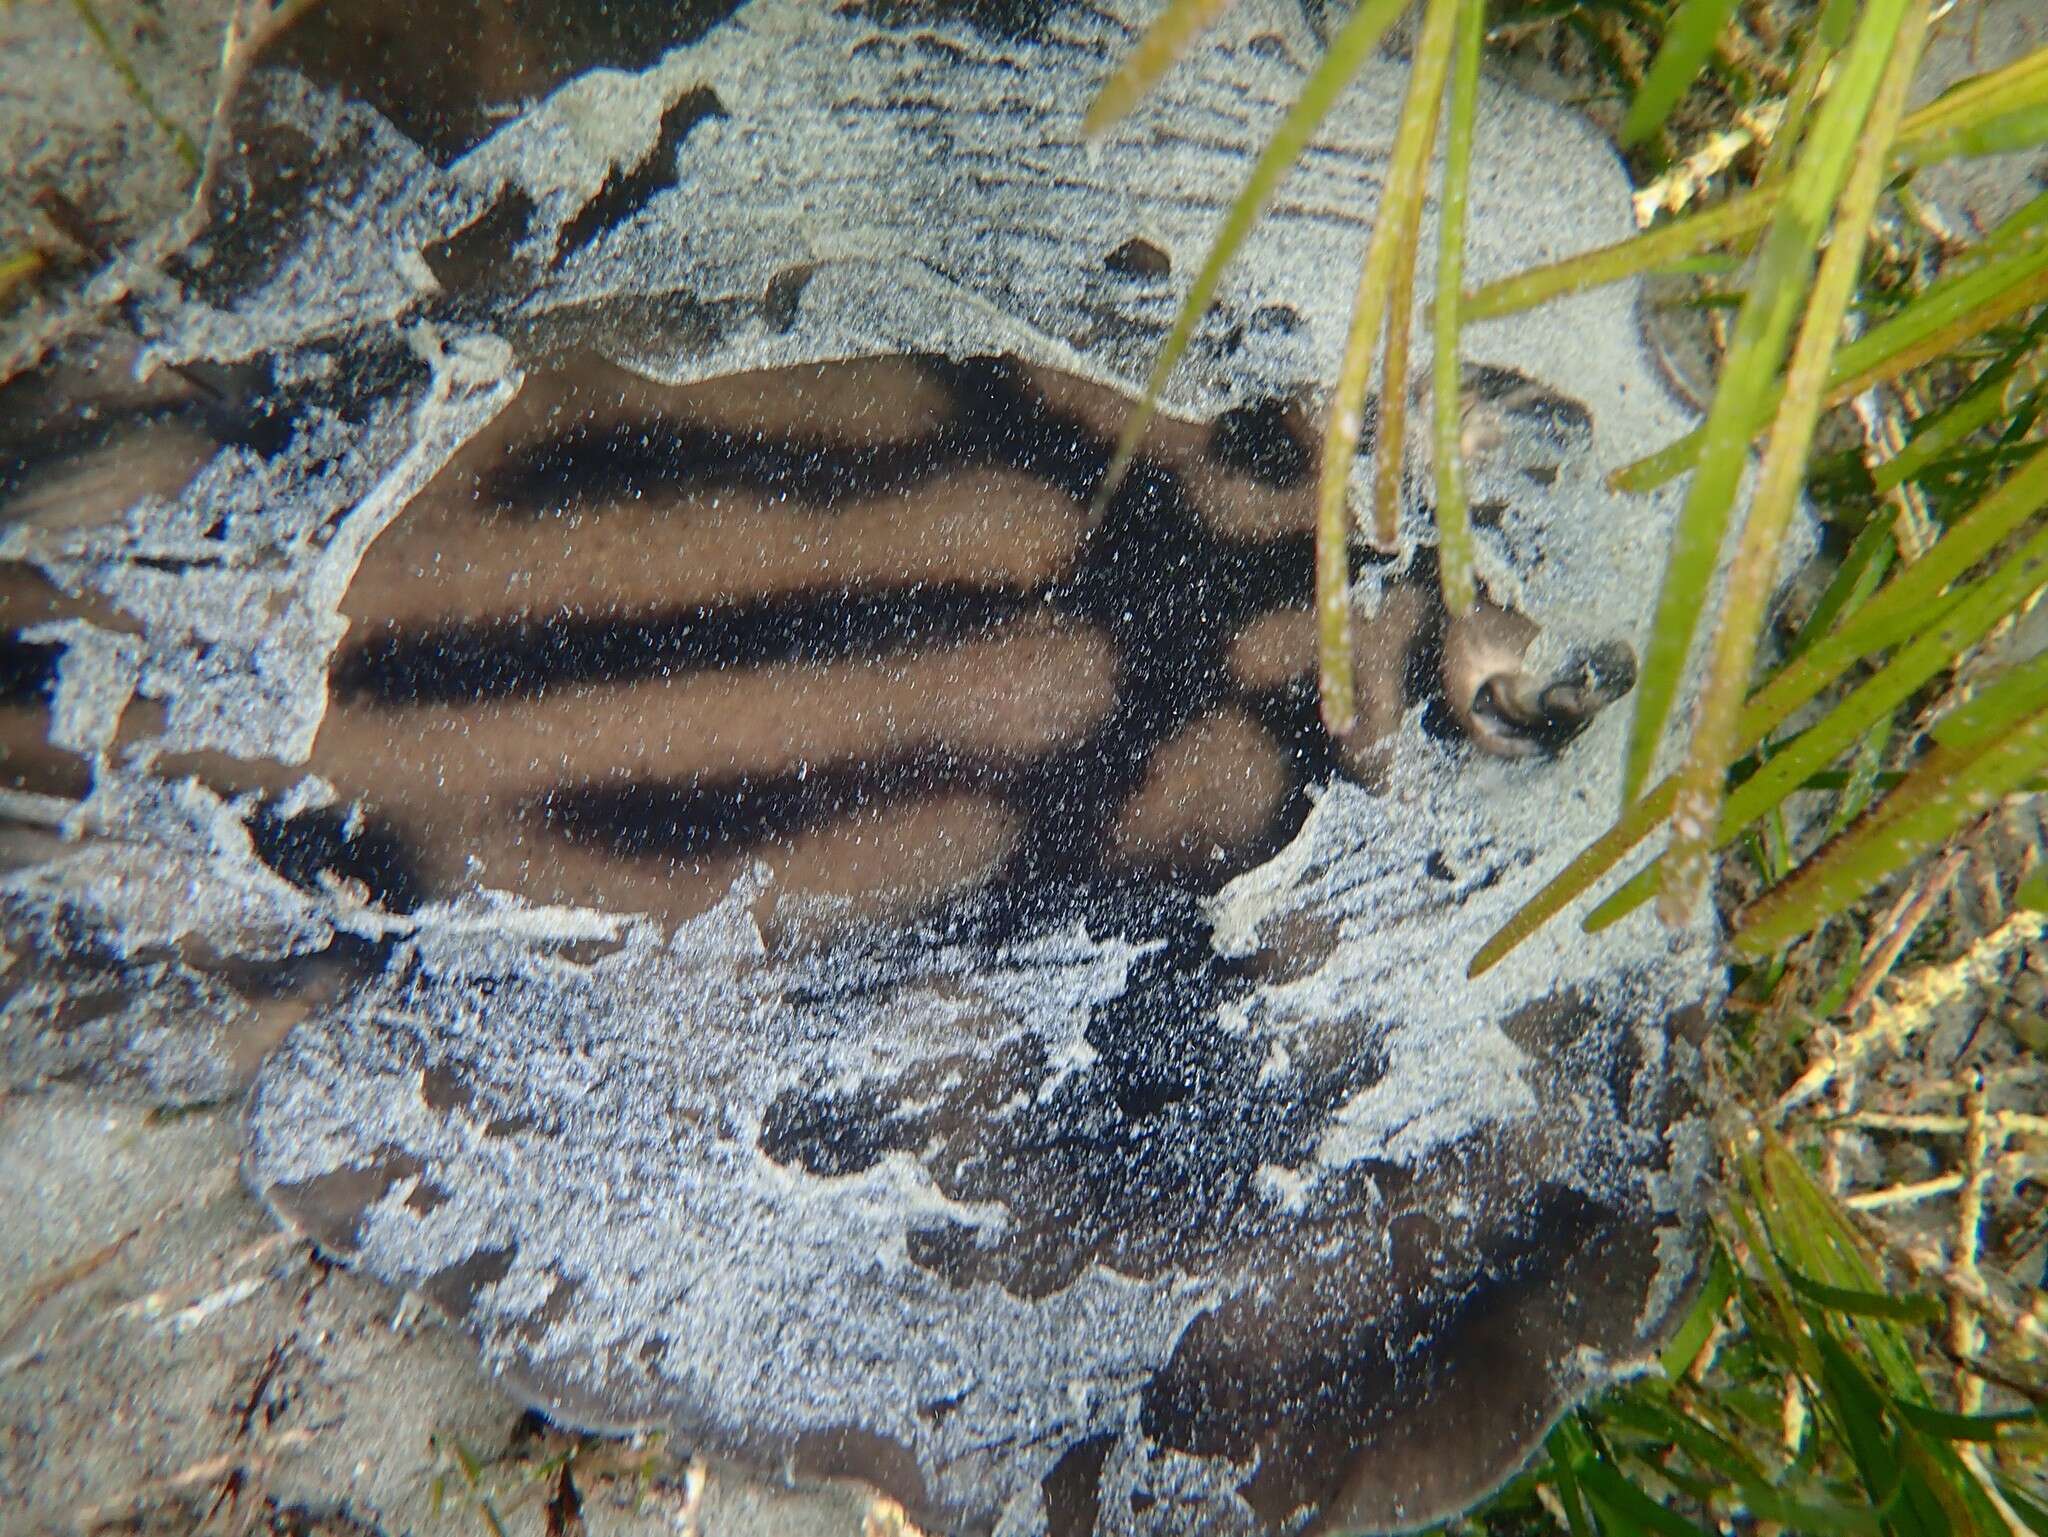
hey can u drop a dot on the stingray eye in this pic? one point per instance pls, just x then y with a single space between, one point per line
1510 710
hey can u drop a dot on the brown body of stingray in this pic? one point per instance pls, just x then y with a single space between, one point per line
859 622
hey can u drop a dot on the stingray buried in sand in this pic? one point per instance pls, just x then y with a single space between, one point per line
799 926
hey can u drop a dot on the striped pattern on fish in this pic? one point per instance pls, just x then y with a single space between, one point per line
860 622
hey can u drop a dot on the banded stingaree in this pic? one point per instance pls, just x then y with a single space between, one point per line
793 925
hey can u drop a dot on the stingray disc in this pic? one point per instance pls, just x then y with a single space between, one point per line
802 923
